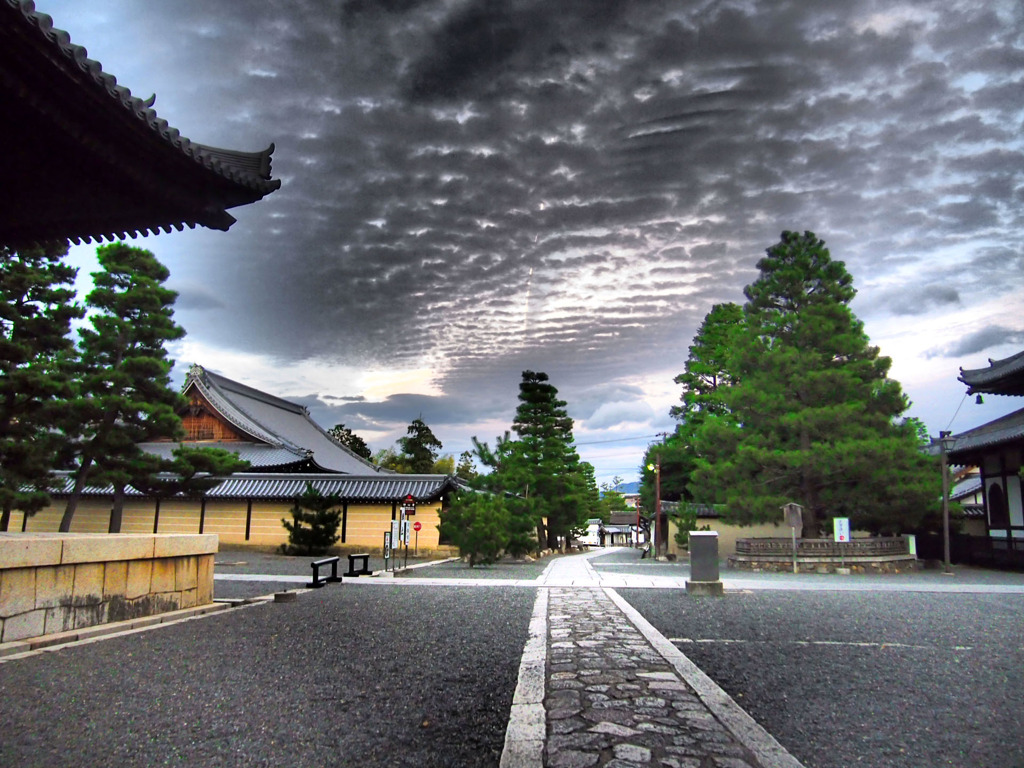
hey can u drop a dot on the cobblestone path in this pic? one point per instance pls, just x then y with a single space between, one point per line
613 700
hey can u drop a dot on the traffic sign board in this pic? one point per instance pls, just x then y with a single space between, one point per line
417 525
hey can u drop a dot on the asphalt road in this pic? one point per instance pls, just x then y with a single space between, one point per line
904 680
384 676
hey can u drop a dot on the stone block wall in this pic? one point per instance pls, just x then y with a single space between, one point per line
53 582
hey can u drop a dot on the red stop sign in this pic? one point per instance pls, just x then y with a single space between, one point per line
417 525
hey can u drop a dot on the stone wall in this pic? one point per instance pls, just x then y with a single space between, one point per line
53 582
860 555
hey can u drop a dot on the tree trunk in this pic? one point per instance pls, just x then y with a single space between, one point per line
5 518
810 499
76 494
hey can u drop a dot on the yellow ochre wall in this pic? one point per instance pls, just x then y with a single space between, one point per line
365 526
727 534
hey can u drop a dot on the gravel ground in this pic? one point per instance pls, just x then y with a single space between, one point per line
252 561
401 676
505 569
898 680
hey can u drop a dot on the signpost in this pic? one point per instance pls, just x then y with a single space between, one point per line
842 529
416 527
408 509
841 533
795 518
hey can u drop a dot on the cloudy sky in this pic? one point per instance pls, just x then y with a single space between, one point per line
472 189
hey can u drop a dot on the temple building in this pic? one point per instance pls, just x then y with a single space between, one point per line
997 448
286 451
86 160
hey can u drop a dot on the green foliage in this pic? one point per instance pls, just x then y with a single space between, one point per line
685 518
388 458
350 440
123 395
445 465
545 458
466 470
313 528
511 479
706 369
811 415
191 472
678 460
478 523
36 309
419 448
612 502
704 379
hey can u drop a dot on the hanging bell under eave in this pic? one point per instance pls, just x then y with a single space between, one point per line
979 400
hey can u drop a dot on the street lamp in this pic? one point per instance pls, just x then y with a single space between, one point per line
656 468
946 443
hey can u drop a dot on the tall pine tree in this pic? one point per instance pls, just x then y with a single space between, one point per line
419 448
545 447
36 310
124 395
813 413
705 377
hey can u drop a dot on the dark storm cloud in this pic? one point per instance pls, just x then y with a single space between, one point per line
570 186
916 301
979 341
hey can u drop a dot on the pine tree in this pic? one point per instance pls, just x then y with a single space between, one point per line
705 378
813 416
478 525
466 470
124 395
706 369
36 309
313 528
545 450
350 440
419 448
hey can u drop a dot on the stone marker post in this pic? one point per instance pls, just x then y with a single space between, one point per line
704 578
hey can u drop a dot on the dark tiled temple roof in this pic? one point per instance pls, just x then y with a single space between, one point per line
351 488
1002 377
970 446
276 424
85 159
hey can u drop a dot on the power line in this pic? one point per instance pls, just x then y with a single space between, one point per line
621 439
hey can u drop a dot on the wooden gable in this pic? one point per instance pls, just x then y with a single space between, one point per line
202 423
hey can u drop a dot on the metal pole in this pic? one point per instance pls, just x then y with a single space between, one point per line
945 503
795 569
657 505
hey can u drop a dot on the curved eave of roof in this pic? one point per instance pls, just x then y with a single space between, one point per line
210 382
370 488
286 487
237 416
241 177
260 457
249 169
1001 377
969 445
965 489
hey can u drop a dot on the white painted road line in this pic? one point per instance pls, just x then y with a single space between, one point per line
527 722
769 752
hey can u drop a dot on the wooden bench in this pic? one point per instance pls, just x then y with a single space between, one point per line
334 578
364 567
